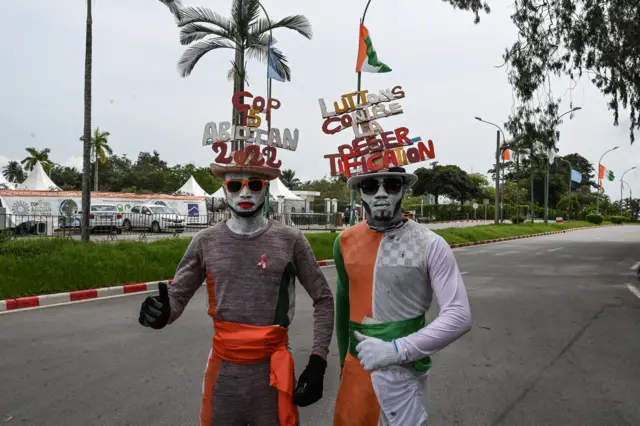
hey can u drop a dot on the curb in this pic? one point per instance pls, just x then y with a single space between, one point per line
80 295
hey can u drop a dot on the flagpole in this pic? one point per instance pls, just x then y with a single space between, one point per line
600 179
352 219
267 203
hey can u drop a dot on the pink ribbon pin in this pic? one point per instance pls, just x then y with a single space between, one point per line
263 261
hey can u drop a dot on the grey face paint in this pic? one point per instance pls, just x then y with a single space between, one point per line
247 207
383 209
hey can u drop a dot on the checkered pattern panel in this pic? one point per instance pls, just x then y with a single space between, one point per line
402 248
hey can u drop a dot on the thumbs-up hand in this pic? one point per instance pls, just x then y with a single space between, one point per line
156 310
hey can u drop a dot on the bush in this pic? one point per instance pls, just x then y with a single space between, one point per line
517 219
595 218
617 219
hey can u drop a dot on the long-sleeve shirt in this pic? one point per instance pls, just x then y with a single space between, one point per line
251 279
393 276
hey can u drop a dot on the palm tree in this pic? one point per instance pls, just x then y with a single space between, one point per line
289 179
100 150
37 156
86 138
245 33
13 172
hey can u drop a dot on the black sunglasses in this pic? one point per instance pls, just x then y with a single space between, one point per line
236 185
391 185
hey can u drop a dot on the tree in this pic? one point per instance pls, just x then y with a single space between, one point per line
13 172
449 181
100 150
86 137
570 38
67 178
289 179
584 167
245 32
36 156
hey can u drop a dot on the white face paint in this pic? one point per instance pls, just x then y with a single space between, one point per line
246 206
382 206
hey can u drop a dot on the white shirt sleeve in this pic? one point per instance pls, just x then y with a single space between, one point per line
454 319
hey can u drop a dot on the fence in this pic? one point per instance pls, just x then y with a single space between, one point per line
112 225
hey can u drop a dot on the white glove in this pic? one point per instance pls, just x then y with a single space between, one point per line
375 353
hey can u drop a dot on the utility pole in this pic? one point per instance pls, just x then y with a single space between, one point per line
497 204
600 180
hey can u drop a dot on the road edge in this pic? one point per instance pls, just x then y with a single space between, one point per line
84 295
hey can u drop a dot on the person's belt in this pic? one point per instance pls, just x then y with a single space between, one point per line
389 331
249 344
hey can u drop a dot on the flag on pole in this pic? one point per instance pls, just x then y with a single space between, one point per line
576 176
604 173
506 154
271 71
367 57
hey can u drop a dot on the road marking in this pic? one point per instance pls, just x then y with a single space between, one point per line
634 290
463 273
635 266
555 249
507 252
459 249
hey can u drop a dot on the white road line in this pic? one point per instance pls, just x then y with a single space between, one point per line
463 273
635 266
459 249
634 290
507 252
555 249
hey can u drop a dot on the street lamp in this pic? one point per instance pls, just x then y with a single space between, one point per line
497 164
570 169
600 180
622 185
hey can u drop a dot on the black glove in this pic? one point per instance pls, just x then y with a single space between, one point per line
155 310
309 389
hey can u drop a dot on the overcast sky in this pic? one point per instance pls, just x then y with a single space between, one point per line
444 62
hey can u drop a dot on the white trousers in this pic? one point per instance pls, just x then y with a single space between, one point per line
400 391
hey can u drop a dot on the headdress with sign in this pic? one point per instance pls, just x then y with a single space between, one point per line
259 157
373 151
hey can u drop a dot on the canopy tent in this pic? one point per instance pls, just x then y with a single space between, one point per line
191 187
276 189
38 181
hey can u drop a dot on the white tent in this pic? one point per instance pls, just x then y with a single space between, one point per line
38 181
276 189
4 182
191 187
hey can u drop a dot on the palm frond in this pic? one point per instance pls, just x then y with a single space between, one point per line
194 32
243 13
174 7
233 71
298 23
197 14
197 50
257 49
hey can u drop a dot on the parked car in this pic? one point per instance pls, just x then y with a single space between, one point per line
154 218
103 217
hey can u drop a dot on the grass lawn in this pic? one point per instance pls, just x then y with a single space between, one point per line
50 265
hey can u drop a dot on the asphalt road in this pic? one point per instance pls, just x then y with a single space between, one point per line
555 342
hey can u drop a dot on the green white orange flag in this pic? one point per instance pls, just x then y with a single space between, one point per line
367 57
604 173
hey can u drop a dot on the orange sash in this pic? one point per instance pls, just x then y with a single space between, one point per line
248 344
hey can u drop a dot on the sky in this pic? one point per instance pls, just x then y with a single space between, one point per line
445 63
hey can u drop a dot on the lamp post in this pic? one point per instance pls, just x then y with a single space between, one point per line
599 179
546 184
622 182
497 207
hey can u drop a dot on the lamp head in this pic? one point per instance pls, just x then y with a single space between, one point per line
478 118
616 147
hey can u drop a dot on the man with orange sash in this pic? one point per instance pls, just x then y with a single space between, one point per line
250 264
389 269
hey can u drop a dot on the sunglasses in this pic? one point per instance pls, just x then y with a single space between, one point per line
235 185
391 185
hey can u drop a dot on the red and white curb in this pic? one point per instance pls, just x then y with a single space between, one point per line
82 295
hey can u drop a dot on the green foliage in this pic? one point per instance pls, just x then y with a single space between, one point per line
65 265
569 38
595 218
617 219
517 219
